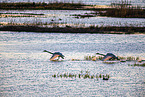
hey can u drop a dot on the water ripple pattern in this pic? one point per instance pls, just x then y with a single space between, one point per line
61 18
25 70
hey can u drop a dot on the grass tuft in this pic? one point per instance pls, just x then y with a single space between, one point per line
82 75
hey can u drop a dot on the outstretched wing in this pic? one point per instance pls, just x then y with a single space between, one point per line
54 56
60 54
107 58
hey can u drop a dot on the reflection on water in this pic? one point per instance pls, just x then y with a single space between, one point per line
25 70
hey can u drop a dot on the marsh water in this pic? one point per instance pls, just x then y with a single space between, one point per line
26 71
61 18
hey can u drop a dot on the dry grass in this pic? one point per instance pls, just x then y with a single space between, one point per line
41 6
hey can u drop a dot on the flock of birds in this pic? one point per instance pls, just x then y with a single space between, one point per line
57 55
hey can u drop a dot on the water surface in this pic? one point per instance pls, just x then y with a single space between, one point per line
61 18
25 70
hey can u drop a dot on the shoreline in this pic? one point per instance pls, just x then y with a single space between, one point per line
95 30
120 11
123 10
50 6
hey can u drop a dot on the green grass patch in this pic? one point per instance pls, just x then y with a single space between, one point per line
83 75
137 64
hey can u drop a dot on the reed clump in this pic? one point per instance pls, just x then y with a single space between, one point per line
82 75
130 58
124 9
137 64
124 13
93 58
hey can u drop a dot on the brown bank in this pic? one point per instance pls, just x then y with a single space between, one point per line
95 30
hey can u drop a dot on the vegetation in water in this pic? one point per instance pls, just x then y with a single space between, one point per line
41 6
84 16
93 58
83 75
5 15
138 64
57 26
123 9
129 58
